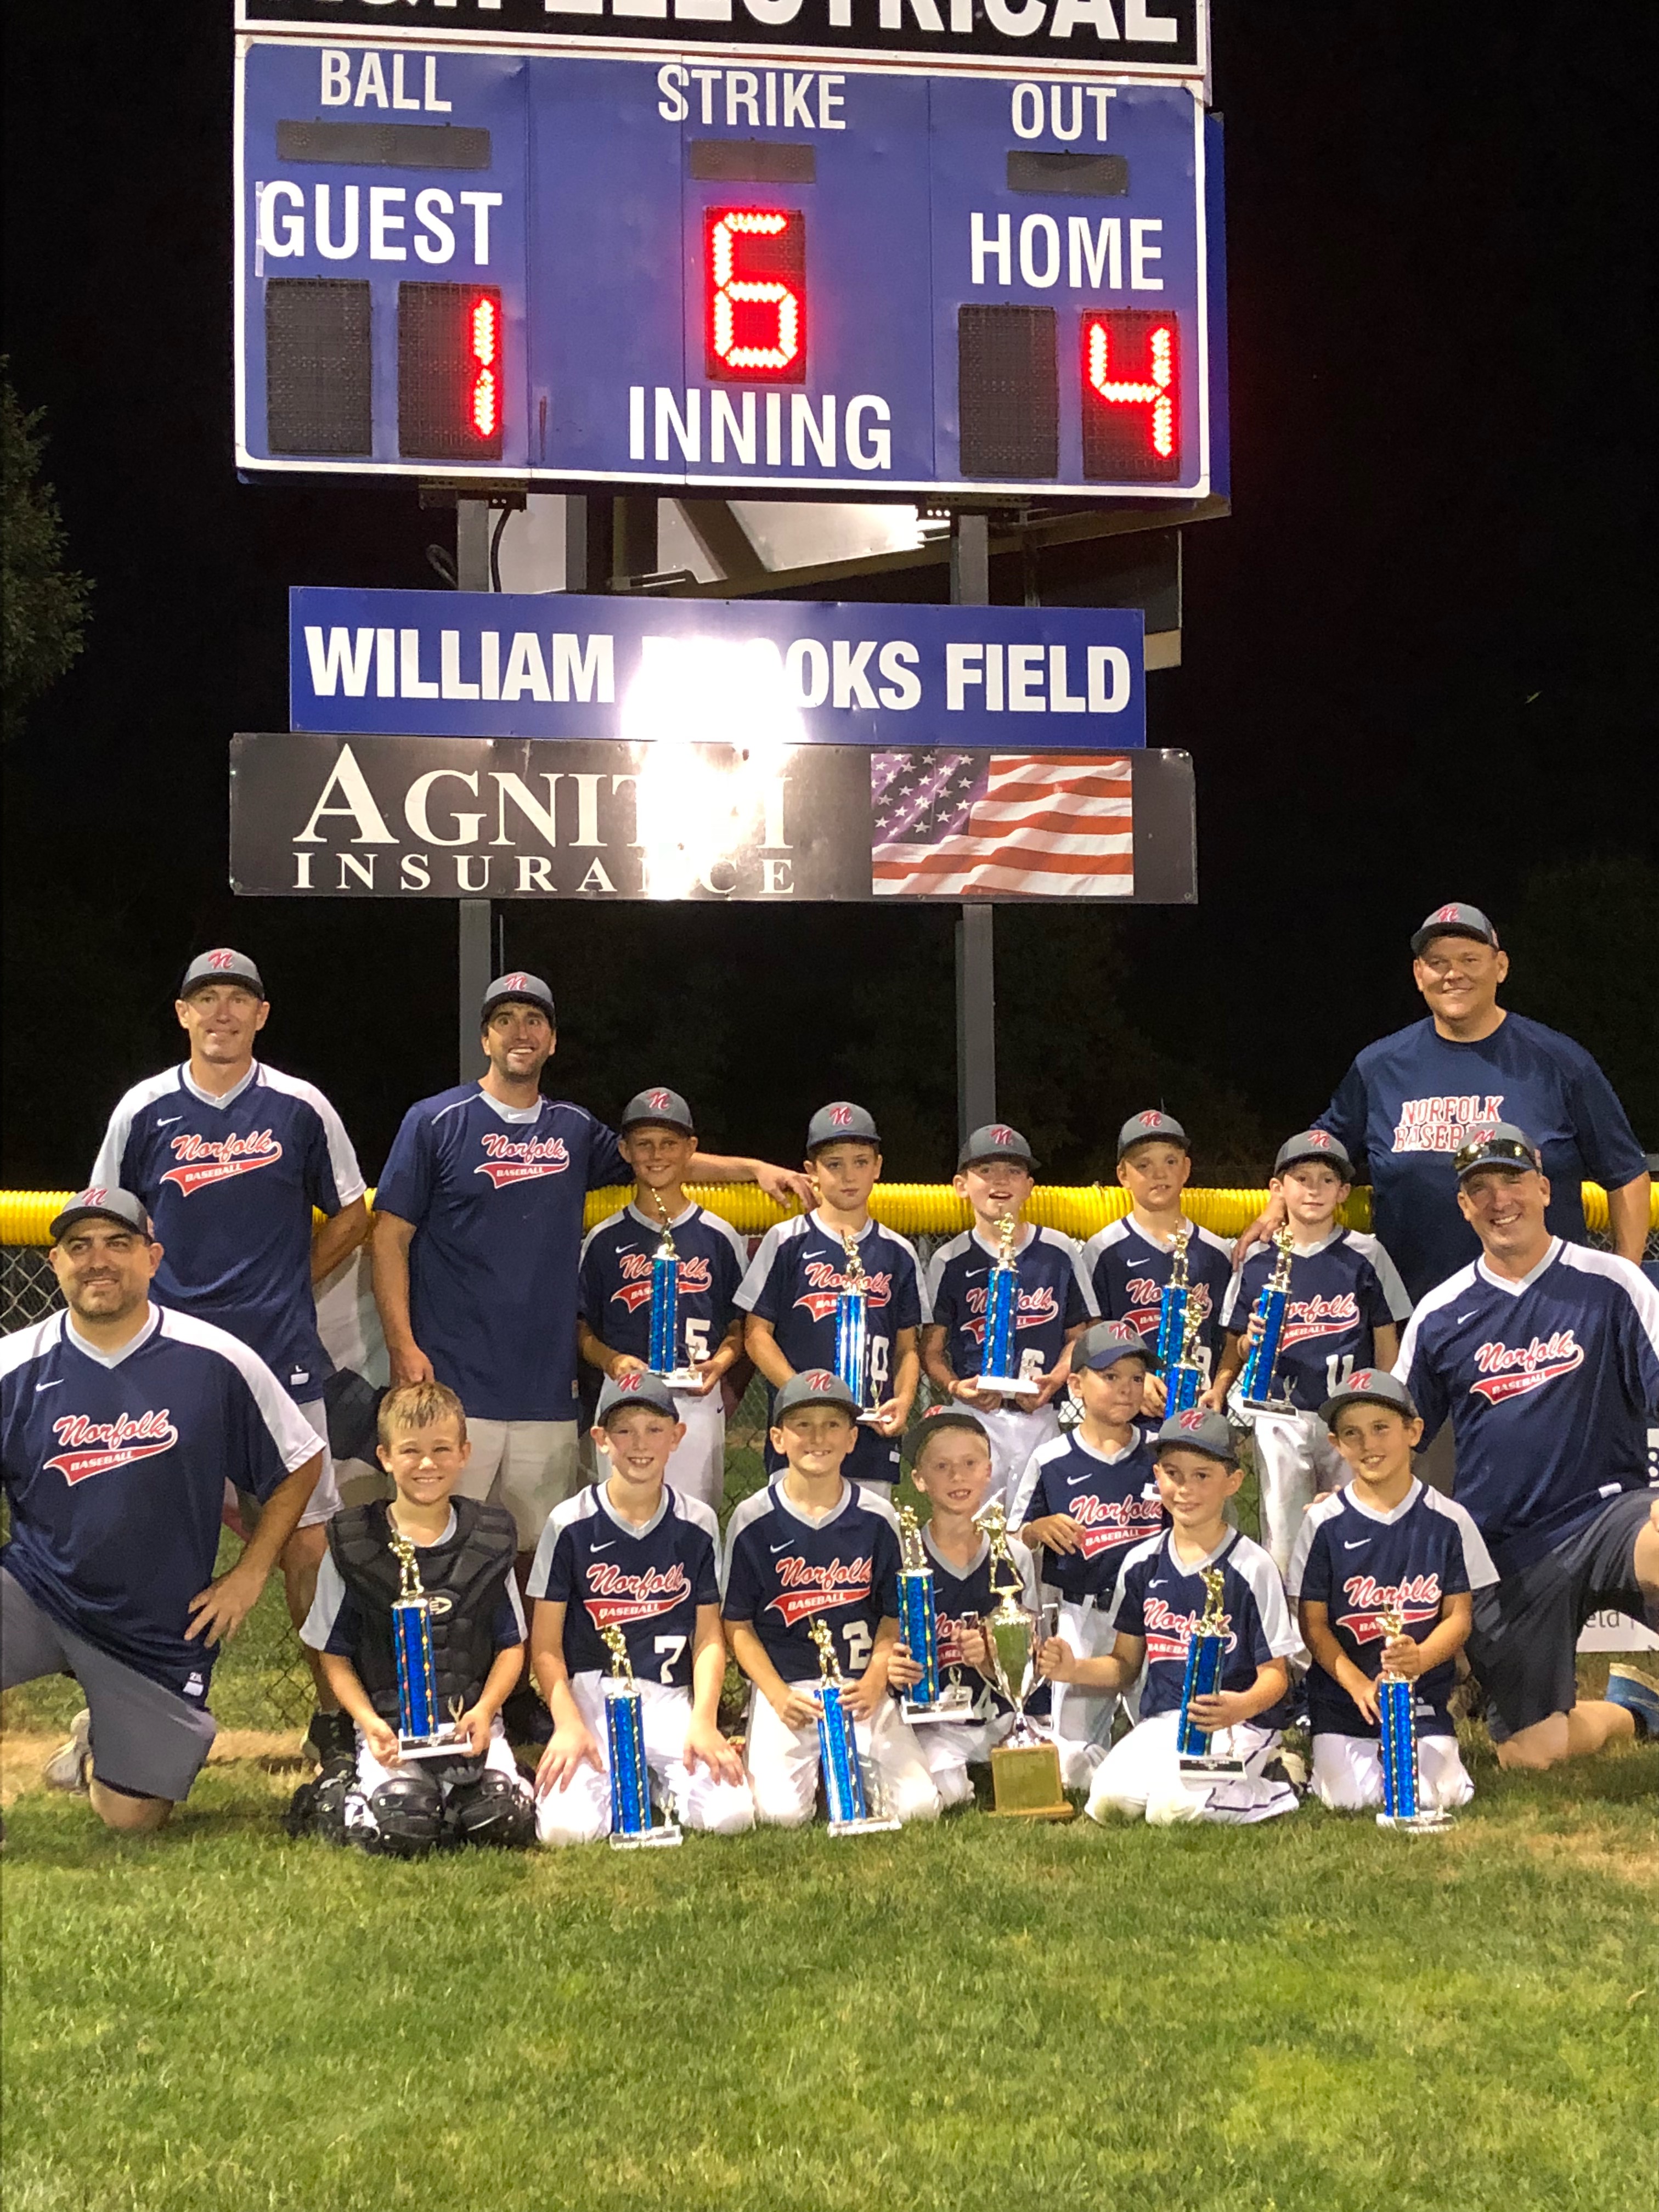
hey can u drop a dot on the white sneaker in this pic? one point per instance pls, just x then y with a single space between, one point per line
70 1765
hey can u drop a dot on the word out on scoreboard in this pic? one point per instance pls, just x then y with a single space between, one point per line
581 268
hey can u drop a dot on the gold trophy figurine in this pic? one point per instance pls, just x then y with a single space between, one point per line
1024 1769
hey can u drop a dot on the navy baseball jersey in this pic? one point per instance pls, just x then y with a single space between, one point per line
1054 1296
961 1598
1162 1601
1341 1294
229 1183
1359 1563
614 1293
1112 1496
1128 1268
335 1622
115 1469
496 1195
1411 1099
1550 1385
646 1582
783 1571
793 1283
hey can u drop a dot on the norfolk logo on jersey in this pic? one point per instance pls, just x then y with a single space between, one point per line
216 1159
1317 1316
615 1596
1417 1598
1168 1632
827 1282
1146 1301
1510 1371
1443 1125
95 1447
520 1159
806 1588
696 1273
1032 1308
1107 1523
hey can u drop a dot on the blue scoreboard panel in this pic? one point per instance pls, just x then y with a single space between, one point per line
722 271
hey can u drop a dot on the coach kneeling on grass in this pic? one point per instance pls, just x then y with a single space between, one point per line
1545 1357
120 1421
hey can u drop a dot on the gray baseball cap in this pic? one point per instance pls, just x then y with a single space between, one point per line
102 1203
1499 1144
842 1123
1371 1386
996 1141
666 1109
622 1393
222 965
529 989
813 1386
1455 920
1108 1341
936 1420
1203 1431
1314 1144
1141 1128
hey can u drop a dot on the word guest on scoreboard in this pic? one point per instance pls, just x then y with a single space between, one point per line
698 268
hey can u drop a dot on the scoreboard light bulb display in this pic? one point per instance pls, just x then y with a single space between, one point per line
755 263
449 372
1132 396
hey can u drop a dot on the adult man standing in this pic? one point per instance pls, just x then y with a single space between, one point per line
1545 1358
1410 1102
119 1422
478 1242
230 1156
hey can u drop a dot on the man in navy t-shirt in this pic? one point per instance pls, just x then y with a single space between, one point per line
478 1242
119 1422
1545 1359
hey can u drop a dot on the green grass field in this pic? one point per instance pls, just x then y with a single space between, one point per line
1308 2014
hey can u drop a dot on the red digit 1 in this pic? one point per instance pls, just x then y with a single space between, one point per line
756 321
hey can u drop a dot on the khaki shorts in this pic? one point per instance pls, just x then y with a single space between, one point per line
529 1466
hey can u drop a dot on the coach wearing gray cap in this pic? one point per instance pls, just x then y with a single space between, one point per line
1410 1101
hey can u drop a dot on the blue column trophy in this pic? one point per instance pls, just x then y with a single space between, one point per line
853 1327
852 1796
1206 1652
665 1348
1184 1380
1000 1373
918 1628
1402 1789
631 1826
1256 1385
1177 1296
421 1733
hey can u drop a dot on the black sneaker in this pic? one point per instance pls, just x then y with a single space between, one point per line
331 1740
526 1719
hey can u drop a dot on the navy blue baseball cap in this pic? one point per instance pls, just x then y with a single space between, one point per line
1499 1144
528 990
1371 1386
1153 1126
103 1203
813 1386
665 1109
1314 1144
1201 1431
996 1141
1108 1341
621 1393
1455 920
842 1123
222 965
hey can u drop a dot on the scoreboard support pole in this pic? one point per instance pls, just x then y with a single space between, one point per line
976 997
472 915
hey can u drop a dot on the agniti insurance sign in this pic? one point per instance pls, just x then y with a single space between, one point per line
314 815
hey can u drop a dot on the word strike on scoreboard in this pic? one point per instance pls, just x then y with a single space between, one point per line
584 269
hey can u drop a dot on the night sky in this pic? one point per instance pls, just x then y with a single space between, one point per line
1416 656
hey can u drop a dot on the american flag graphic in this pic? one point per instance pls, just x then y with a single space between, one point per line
1025 825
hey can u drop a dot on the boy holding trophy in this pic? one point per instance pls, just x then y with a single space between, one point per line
658 1287
812 1552
1133 1261
1202 1573
833 1289
631 1560
1008 1299
1084 1501
1383 1577
1342 1311
418 1629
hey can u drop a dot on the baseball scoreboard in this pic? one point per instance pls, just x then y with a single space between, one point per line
731 268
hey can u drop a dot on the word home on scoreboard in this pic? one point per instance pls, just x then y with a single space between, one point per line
580 269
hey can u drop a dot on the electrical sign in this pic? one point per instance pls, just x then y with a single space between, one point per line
574 268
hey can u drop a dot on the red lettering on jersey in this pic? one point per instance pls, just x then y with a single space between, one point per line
1416 1598
1109 1523
520 1159
617 1596
216 1159
1031 1307
1310 1317
111 1443
696 1273
807 1589
1168 1632
1444 1124
1512 1371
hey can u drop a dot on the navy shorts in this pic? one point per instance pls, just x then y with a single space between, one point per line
1525 1639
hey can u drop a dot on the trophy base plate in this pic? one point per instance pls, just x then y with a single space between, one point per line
431 1747
1417 1824
651 1840
1008 1386
685 1378
868 1827
953 1704
1206 1768
1025 1780
868 1419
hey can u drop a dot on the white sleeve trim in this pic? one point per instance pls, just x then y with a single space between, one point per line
349 1182
1277 1624
512 1589
1230 1299
739 1243
1103 1239
295 1440
597 1230
1315 1518
753 1280
1394 1291
757 1503
1431 1302
1025 1488
23 1345
1145 1549
940 1261
873 1502
107 1168
924 1298
700 1516
1629 1277
1218 1244
1477 1559
325 1606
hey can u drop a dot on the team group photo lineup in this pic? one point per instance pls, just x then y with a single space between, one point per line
506 1554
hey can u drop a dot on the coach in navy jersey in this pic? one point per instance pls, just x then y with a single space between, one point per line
1545 1358
1411 1100
478 1242
120 1421
230 1156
